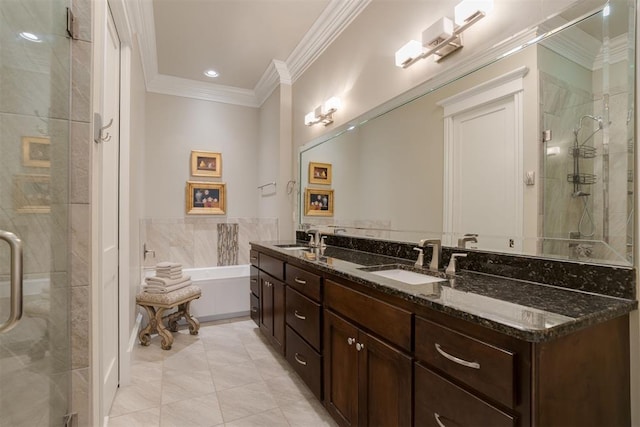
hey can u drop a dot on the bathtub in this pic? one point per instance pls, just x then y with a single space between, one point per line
225 291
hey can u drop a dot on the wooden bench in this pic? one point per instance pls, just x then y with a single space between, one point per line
157 304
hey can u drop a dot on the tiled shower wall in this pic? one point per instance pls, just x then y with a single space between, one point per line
204 241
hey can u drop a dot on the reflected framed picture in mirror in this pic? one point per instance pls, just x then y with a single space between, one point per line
36 152
318 202
319 173
206 198
205 163
32 193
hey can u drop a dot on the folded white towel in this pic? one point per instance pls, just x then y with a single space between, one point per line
167 264
155 289
161 281
169 269
170 276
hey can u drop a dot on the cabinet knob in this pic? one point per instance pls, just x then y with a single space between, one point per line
350 340
359 346
299 316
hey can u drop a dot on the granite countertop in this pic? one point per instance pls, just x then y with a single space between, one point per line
534 312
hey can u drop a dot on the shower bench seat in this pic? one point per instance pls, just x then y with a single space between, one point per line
157 304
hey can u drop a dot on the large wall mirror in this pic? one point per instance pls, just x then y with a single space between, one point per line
532 152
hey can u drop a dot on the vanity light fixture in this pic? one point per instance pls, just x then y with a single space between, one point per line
444 37
323 113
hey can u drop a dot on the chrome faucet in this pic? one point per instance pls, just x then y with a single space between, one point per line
314 237
472 238
420 259
451 268
436 253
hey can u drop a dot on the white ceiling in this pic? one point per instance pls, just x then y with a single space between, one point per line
253 44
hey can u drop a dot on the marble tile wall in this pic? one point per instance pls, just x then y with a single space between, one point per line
195 242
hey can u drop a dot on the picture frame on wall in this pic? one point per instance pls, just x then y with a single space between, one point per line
206 198
36 152
206 163
318 202
32 193
319 173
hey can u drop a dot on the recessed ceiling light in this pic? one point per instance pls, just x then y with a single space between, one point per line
211 73
30 36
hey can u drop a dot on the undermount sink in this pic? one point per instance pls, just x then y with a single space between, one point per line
408 277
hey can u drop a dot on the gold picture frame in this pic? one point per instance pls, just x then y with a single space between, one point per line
32 193
318 202
319 173
206 198
36 152
206 163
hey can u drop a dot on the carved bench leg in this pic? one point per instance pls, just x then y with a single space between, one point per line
194 324
172 319
167 336
145 334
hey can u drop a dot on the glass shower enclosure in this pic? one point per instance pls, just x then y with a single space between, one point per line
35 88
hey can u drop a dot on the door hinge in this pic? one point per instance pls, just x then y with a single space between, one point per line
72 25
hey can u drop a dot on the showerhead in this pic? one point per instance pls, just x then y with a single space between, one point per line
596 119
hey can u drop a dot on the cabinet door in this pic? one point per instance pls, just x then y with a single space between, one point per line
277 288
266 305
340 369
384 383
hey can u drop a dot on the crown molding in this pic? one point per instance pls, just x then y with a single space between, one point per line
334 19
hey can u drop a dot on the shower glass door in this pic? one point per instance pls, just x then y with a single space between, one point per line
34 142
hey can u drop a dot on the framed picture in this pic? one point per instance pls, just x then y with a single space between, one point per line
32 193
205 163
206 198
319 173
36 152
318 202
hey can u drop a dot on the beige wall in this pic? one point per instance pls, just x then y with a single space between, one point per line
177 125
268 155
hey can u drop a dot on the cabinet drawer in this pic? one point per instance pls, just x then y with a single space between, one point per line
307 283
254 283
271 265
486 368
439 402
303 315
254 304
389 322
253 258
306 362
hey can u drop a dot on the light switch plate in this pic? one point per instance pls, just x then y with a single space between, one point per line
530 178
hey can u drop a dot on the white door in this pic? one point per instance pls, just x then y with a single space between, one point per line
485 176
108 225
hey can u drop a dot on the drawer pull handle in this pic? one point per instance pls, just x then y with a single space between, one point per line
359 346
254 258
254 309
300 281
474 365
299 316
300 361
254 280
437 417
350 340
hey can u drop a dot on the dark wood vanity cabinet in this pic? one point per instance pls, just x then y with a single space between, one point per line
254 296
374 359
367 381
303 316
272 300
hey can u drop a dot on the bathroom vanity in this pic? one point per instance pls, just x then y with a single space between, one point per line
464 349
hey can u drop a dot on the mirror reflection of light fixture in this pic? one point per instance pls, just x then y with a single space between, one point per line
444 37
323 113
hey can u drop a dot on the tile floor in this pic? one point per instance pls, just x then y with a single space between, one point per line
227 375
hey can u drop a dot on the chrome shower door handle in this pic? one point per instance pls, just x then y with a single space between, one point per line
16 280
